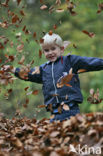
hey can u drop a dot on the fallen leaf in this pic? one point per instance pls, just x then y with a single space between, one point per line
55 26
70 7
40 53
26 88
18 1
49 107
34 35
54 134
20 48
41 1
64 80
1 46
22 13
41 40
35 92
60 109
22 60
15 141
59 10
10 90
0 60
66 123
65 107
68 85
43 7
81 71
74 46
90 34
15 18
51 9
58 2
100 8
94 97
41 106
24 28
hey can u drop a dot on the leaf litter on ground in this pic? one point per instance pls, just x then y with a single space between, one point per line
24 136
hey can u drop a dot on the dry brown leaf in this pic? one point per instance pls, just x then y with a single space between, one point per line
22 60
50 107
40 53
55 26
94 97
66 124
15 18
65 80
26 88
100 8
17 142
60 109
51 9
81 71
20 48
58 2
22 13
59 10
18 1
43 7
54 134
40 137
35 92
68 85
90 34
41 106
66 107
41 40
34 35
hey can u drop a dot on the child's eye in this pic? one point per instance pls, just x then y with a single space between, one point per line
46 50
53 48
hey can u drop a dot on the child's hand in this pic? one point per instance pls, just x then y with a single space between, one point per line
36 71
23 73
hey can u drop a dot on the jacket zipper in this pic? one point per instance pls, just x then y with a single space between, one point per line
54 82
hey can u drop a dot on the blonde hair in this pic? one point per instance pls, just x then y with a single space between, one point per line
52 39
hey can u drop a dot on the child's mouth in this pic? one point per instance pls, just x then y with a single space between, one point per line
52 57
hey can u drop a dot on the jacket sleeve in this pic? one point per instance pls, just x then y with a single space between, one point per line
31 77
87 63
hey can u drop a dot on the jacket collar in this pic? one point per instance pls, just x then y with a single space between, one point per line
48 62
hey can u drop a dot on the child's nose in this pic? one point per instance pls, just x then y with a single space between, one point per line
50 51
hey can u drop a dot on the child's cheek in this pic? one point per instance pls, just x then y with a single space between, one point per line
46 56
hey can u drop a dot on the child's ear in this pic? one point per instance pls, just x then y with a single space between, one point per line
62 49
65 44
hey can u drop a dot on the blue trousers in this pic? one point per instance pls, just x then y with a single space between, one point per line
66 114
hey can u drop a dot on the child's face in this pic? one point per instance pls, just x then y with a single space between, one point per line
52 52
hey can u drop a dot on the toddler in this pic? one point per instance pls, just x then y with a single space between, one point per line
61 101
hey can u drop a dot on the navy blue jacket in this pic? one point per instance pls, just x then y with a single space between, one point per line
50 72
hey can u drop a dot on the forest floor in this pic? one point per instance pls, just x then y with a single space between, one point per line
79 136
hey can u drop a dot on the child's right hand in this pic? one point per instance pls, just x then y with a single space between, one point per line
23 73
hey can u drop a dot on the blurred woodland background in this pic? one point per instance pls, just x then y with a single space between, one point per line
23 23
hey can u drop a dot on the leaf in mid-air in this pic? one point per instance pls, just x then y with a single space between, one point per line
64 80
